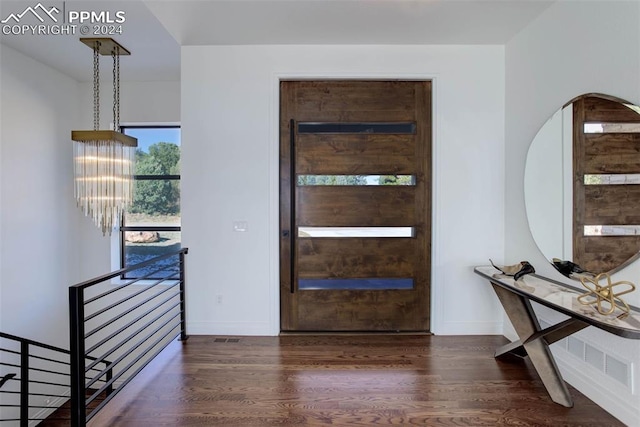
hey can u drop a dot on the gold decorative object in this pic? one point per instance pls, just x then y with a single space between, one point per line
604 293
104 159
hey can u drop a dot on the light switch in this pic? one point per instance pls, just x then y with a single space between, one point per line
240 226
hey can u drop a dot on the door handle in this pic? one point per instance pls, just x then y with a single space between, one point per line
292 197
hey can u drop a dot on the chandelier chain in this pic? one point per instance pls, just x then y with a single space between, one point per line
118 85
116 88
96 85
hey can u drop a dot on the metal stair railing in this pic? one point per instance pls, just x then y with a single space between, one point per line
128 322
34 380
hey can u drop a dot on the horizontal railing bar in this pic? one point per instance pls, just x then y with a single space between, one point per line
137 371
48 371
123 328
10 364
116 347
140 304
39 357
120 272
47 383
33 356
3 405
35 394
57 373
36 369
128 298
131 282
34 343
121 358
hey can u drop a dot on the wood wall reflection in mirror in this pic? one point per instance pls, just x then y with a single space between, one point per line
606 178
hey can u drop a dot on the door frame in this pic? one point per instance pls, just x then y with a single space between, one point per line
436 313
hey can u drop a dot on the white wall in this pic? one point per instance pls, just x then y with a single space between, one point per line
574 47
230 172
39 245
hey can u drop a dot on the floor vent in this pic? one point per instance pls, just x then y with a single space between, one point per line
576 347
617 370
611 366
226 340
594 357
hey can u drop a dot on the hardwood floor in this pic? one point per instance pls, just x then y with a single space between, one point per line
347 380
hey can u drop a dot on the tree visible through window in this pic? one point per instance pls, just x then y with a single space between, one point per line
151 226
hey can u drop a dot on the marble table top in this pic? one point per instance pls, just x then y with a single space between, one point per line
564 298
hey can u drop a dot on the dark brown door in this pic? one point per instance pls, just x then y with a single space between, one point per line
602 198
355 205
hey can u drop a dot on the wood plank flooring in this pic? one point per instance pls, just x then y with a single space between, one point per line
345 380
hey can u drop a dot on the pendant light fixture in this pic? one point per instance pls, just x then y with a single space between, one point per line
104 159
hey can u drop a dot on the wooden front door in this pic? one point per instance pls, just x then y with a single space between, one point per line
355 205
604 202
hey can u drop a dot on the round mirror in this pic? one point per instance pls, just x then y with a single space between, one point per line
582 184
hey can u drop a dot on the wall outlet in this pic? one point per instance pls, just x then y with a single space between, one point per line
218 299
241 226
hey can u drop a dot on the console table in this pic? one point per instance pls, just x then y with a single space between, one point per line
516 297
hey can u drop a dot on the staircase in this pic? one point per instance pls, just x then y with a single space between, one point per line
113 334
61 417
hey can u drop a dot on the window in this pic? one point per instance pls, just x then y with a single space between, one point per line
151 226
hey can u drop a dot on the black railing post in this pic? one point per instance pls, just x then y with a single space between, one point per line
109 378
24 384
76 337
183 309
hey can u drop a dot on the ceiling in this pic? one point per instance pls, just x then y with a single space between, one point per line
154 30
155 54
346 21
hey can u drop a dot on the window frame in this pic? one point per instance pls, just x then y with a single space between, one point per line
122 227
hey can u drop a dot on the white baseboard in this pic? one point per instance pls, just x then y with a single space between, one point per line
230 328
265 329
469 328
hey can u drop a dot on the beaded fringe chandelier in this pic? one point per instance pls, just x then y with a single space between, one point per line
104 159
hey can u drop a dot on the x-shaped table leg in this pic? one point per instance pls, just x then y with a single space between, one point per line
535 342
